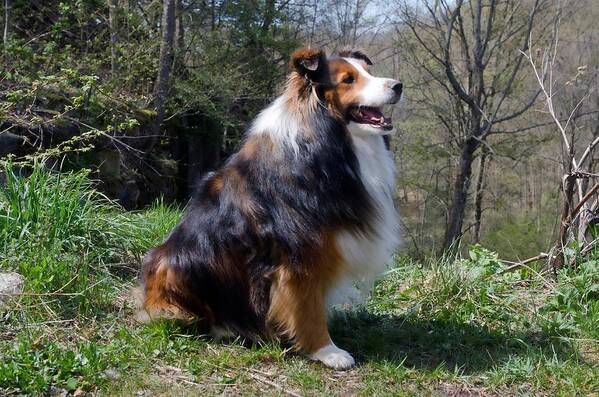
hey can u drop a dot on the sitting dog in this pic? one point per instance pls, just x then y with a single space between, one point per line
303 210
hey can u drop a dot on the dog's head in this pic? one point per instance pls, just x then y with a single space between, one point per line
350 92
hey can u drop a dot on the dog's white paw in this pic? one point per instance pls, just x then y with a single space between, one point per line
333 357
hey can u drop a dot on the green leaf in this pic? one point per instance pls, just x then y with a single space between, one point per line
71 384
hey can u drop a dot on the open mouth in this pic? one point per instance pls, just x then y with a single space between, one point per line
370 115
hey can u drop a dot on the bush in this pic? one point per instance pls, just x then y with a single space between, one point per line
574 307
461 290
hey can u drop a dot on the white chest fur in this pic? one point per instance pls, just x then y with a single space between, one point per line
366 256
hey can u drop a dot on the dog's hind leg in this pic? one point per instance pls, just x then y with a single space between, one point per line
159 284
165 292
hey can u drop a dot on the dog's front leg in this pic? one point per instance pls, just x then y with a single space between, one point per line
298 312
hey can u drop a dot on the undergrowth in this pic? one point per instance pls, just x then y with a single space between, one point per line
449 325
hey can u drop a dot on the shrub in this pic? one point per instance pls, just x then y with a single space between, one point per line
574 307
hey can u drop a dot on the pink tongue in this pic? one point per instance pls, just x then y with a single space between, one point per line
371 114
375 116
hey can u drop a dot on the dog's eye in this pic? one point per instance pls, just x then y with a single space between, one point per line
348 79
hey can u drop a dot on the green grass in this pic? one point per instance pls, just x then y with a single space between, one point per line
451 326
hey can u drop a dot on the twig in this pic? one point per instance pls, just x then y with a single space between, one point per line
57 293
260 372
523 264
589 247
273 384
588 151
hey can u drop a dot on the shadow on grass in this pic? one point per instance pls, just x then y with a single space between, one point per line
427 344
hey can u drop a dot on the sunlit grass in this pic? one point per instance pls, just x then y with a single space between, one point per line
450 325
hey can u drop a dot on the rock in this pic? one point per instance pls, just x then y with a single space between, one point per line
57 392
109 163
112 374
9 143
129 195
79 392
11 284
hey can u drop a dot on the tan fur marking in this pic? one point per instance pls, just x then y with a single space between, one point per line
167 296
343 95
238 185
304 53
255 145
216 185
297 308
157 302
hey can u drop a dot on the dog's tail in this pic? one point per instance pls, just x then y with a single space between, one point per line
164 292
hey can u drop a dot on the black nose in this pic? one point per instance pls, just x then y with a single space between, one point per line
398 88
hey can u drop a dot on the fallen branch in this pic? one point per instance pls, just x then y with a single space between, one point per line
518 265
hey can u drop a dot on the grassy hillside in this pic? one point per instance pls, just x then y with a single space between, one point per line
444 327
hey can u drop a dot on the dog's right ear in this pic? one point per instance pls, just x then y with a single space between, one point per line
308 62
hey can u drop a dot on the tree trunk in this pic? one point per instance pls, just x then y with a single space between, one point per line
165 64
113 26
569 187
179 28
269 14
460 195
212 15
6 29
478 206
179 63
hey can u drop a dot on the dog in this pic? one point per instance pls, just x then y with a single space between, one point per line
299 216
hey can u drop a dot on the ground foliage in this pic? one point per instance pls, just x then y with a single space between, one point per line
444 326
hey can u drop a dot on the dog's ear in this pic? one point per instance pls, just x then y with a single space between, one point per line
308 62
356 55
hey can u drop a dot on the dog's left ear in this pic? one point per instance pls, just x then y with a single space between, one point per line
356 55
308 62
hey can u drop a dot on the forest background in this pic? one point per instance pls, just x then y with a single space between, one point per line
150 95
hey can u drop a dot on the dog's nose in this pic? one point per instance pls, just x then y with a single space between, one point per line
397 88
